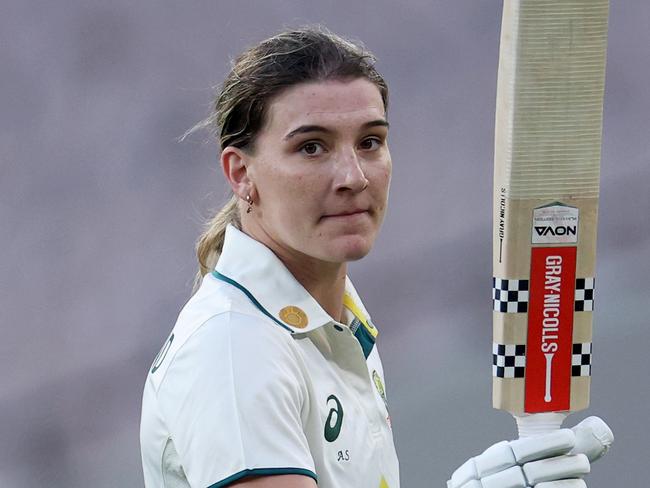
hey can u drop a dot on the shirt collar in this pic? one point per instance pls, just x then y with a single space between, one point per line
253 268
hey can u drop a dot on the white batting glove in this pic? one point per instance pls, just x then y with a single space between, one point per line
555 460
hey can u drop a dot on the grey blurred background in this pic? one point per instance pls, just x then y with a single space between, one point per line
100 207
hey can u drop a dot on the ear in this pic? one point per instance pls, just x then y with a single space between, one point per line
234 163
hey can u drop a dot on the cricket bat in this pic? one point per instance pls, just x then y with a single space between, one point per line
546 185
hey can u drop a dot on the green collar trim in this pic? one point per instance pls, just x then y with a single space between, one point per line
250 296
263 472
365 338
361 332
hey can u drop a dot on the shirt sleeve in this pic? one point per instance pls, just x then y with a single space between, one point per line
232 399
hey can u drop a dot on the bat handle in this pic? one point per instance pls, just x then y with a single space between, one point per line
539 423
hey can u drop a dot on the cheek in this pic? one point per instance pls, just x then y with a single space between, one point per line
301 190
387 176
291 197
383 177
389 170
381 186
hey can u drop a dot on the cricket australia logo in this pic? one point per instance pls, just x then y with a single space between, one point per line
334 420
380 387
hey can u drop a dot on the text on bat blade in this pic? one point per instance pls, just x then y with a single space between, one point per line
551 308
558 230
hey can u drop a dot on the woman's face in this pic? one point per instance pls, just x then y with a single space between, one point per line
321 170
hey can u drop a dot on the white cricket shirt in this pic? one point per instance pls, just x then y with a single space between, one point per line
256 378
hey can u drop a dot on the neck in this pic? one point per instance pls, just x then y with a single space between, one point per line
323 280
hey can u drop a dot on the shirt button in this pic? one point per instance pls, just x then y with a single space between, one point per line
338 327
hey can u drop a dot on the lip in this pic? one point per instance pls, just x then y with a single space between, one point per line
347 214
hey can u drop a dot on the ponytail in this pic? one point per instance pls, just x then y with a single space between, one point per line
210 243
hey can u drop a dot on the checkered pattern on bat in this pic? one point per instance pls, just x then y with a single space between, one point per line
508 360
509 296
584 301
581 360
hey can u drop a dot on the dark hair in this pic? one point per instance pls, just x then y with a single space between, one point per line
260 73
310 53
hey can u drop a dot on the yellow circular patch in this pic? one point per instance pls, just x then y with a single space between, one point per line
294 316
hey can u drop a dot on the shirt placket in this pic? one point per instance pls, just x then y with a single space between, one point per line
351 359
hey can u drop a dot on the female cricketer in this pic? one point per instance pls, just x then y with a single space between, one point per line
271 376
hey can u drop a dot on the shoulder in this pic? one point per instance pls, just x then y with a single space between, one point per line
219 326
228 367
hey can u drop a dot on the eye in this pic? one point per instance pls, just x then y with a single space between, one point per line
370 144
312 148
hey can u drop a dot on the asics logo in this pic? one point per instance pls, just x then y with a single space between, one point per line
334 419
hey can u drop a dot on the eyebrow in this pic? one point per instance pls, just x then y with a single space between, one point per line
303 129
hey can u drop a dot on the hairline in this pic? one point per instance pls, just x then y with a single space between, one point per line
250 148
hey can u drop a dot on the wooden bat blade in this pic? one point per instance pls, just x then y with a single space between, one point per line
546 186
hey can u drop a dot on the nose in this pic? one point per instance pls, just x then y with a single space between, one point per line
349 173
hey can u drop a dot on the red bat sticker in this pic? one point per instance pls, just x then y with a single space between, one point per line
550 329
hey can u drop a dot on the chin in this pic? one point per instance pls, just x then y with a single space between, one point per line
349 249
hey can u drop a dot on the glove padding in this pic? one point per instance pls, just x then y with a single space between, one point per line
555 460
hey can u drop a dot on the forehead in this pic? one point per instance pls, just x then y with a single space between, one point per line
327 102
